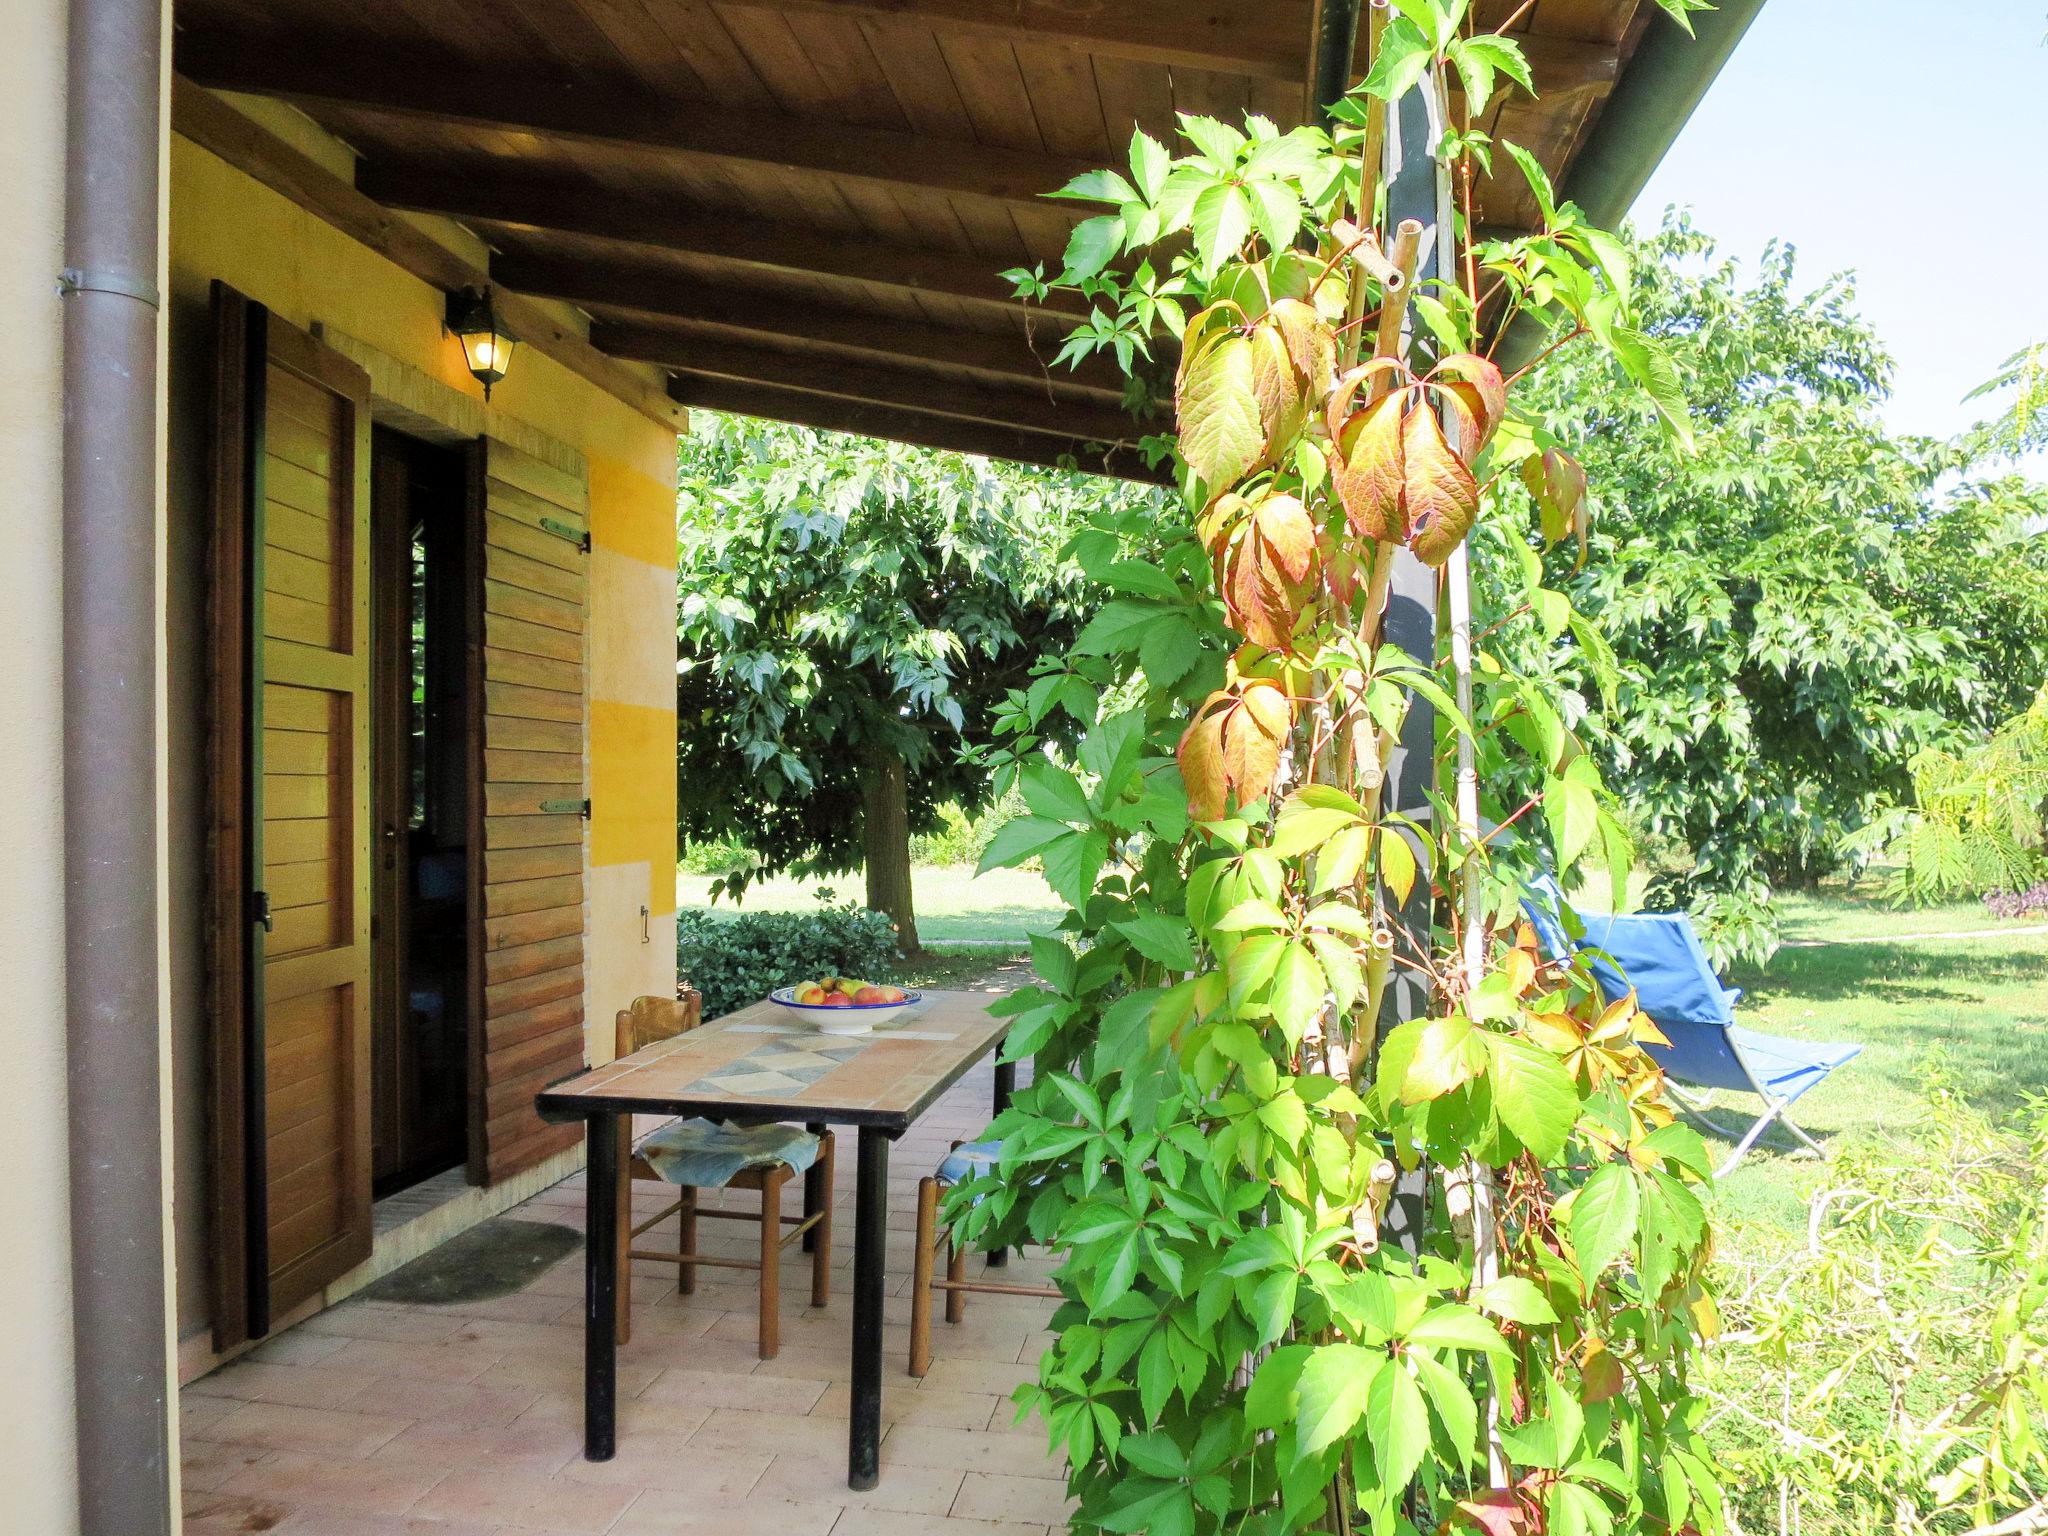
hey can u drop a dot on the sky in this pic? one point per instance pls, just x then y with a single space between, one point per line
1903 141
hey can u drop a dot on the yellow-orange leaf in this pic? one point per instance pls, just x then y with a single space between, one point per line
1271 572
1368 473
1476 395
1310 343
1253 737
1276 386
1439 495
1201 760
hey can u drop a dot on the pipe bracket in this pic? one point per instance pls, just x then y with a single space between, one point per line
108 280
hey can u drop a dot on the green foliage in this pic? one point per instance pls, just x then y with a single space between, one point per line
839 597
2022 383
1809 603
1225 1094
962 838
1978 820
1895 1374
739 959
715 856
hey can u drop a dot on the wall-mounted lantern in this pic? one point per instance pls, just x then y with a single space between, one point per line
486 345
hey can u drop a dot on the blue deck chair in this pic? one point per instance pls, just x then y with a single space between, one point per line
1661 957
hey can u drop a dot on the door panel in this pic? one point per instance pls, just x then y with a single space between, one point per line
292 914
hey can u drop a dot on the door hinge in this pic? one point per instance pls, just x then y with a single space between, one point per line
580 537
566 808
259 909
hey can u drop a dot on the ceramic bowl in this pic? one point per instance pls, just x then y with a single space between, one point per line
853 1019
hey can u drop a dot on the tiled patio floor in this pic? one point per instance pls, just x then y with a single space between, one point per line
375 1419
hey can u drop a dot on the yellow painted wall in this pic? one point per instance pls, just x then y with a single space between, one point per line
225 225
37 1452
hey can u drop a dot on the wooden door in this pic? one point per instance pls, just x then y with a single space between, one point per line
292 867
531 521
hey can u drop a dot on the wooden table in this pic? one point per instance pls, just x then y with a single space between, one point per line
763 1065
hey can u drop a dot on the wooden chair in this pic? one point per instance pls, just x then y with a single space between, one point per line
966 1161
651 1019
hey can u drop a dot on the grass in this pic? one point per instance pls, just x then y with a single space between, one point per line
954 905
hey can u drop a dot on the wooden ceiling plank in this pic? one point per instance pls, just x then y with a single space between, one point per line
212 124
618 285
829 414
1022 410
542 204
1266 38
614 114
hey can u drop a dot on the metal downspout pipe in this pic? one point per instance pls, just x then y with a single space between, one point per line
111 449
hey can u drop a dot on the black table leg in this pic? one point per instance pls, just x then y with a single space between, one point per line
1006 1084
601 1289
870 1237
815 1193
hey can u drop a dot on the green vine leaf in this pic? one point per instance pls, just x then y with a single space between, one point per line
1603 1221
1220 432
1533 1094
1332 1391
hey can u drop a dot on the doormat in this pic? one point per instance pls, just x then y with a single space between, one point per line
494 1258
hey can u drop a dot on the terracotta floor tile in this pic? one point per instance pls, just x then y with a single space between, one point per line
529 1449
660 1513
206 1464
996 1377
314 1522
516 1373
308 1386
737 1429
528 1503
230 1514
875 1522
998 1496
297 1347
906 1402
457 1404
317 1431
713 1474
636 1415
361 1320
819 1478
451 1359
757 1394
1020 1454
323 1483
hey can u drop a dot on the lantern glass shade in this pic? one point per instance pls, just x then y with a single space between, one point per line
486 346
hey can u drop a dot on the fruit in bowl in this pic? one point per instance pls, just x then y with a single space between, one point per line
843 1005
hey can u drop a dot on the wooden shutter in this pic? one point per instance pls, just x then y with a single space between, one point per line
528 851
291 744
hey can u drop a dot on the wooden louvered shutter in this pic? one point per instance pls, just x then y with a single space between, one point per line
290 791
528 854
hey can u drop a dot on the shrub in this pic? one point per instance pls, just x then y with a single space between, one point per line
963 839
739 959
716 856
2032 902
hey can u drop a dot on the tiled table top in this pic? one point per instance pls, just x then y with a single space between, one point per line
764 1063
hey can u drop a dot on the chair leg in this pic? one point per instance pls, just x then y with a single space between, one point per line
956 1271
686 1240
771 1262
921 1276
821 1234
622 1328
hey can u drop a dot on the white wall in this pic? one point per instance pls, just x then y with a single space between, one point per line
37 1471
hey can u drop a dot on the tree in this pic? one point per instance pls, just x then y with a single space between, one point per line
848 611
1808 601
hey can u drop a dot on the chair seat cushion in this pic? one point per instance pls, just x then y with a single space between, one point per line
969 1160
707 1155
1789 1067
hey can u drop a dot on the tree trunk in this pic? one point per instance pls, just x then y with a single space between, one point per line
885 840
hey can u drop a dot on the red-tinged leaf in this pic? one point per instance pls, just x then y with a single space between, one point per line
1201 761
1439 494
1495 1511
1558 486
1276 386
1338 408
1600 1373
1221 434
1253 736
1271 572
1473 388
1369 473
1310 343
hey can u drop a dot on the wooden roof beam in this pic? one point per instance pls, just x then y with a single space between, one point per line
832 414
615 114
1016 410
675 297
212 124
551 203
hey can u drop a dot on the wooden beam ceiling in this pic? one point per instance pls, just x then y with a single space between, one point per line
212 124
610 285
830 414
504 197
619 116
1260 38
912 390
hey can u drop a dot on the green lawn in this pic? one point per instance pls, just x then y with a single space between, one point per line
954 905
